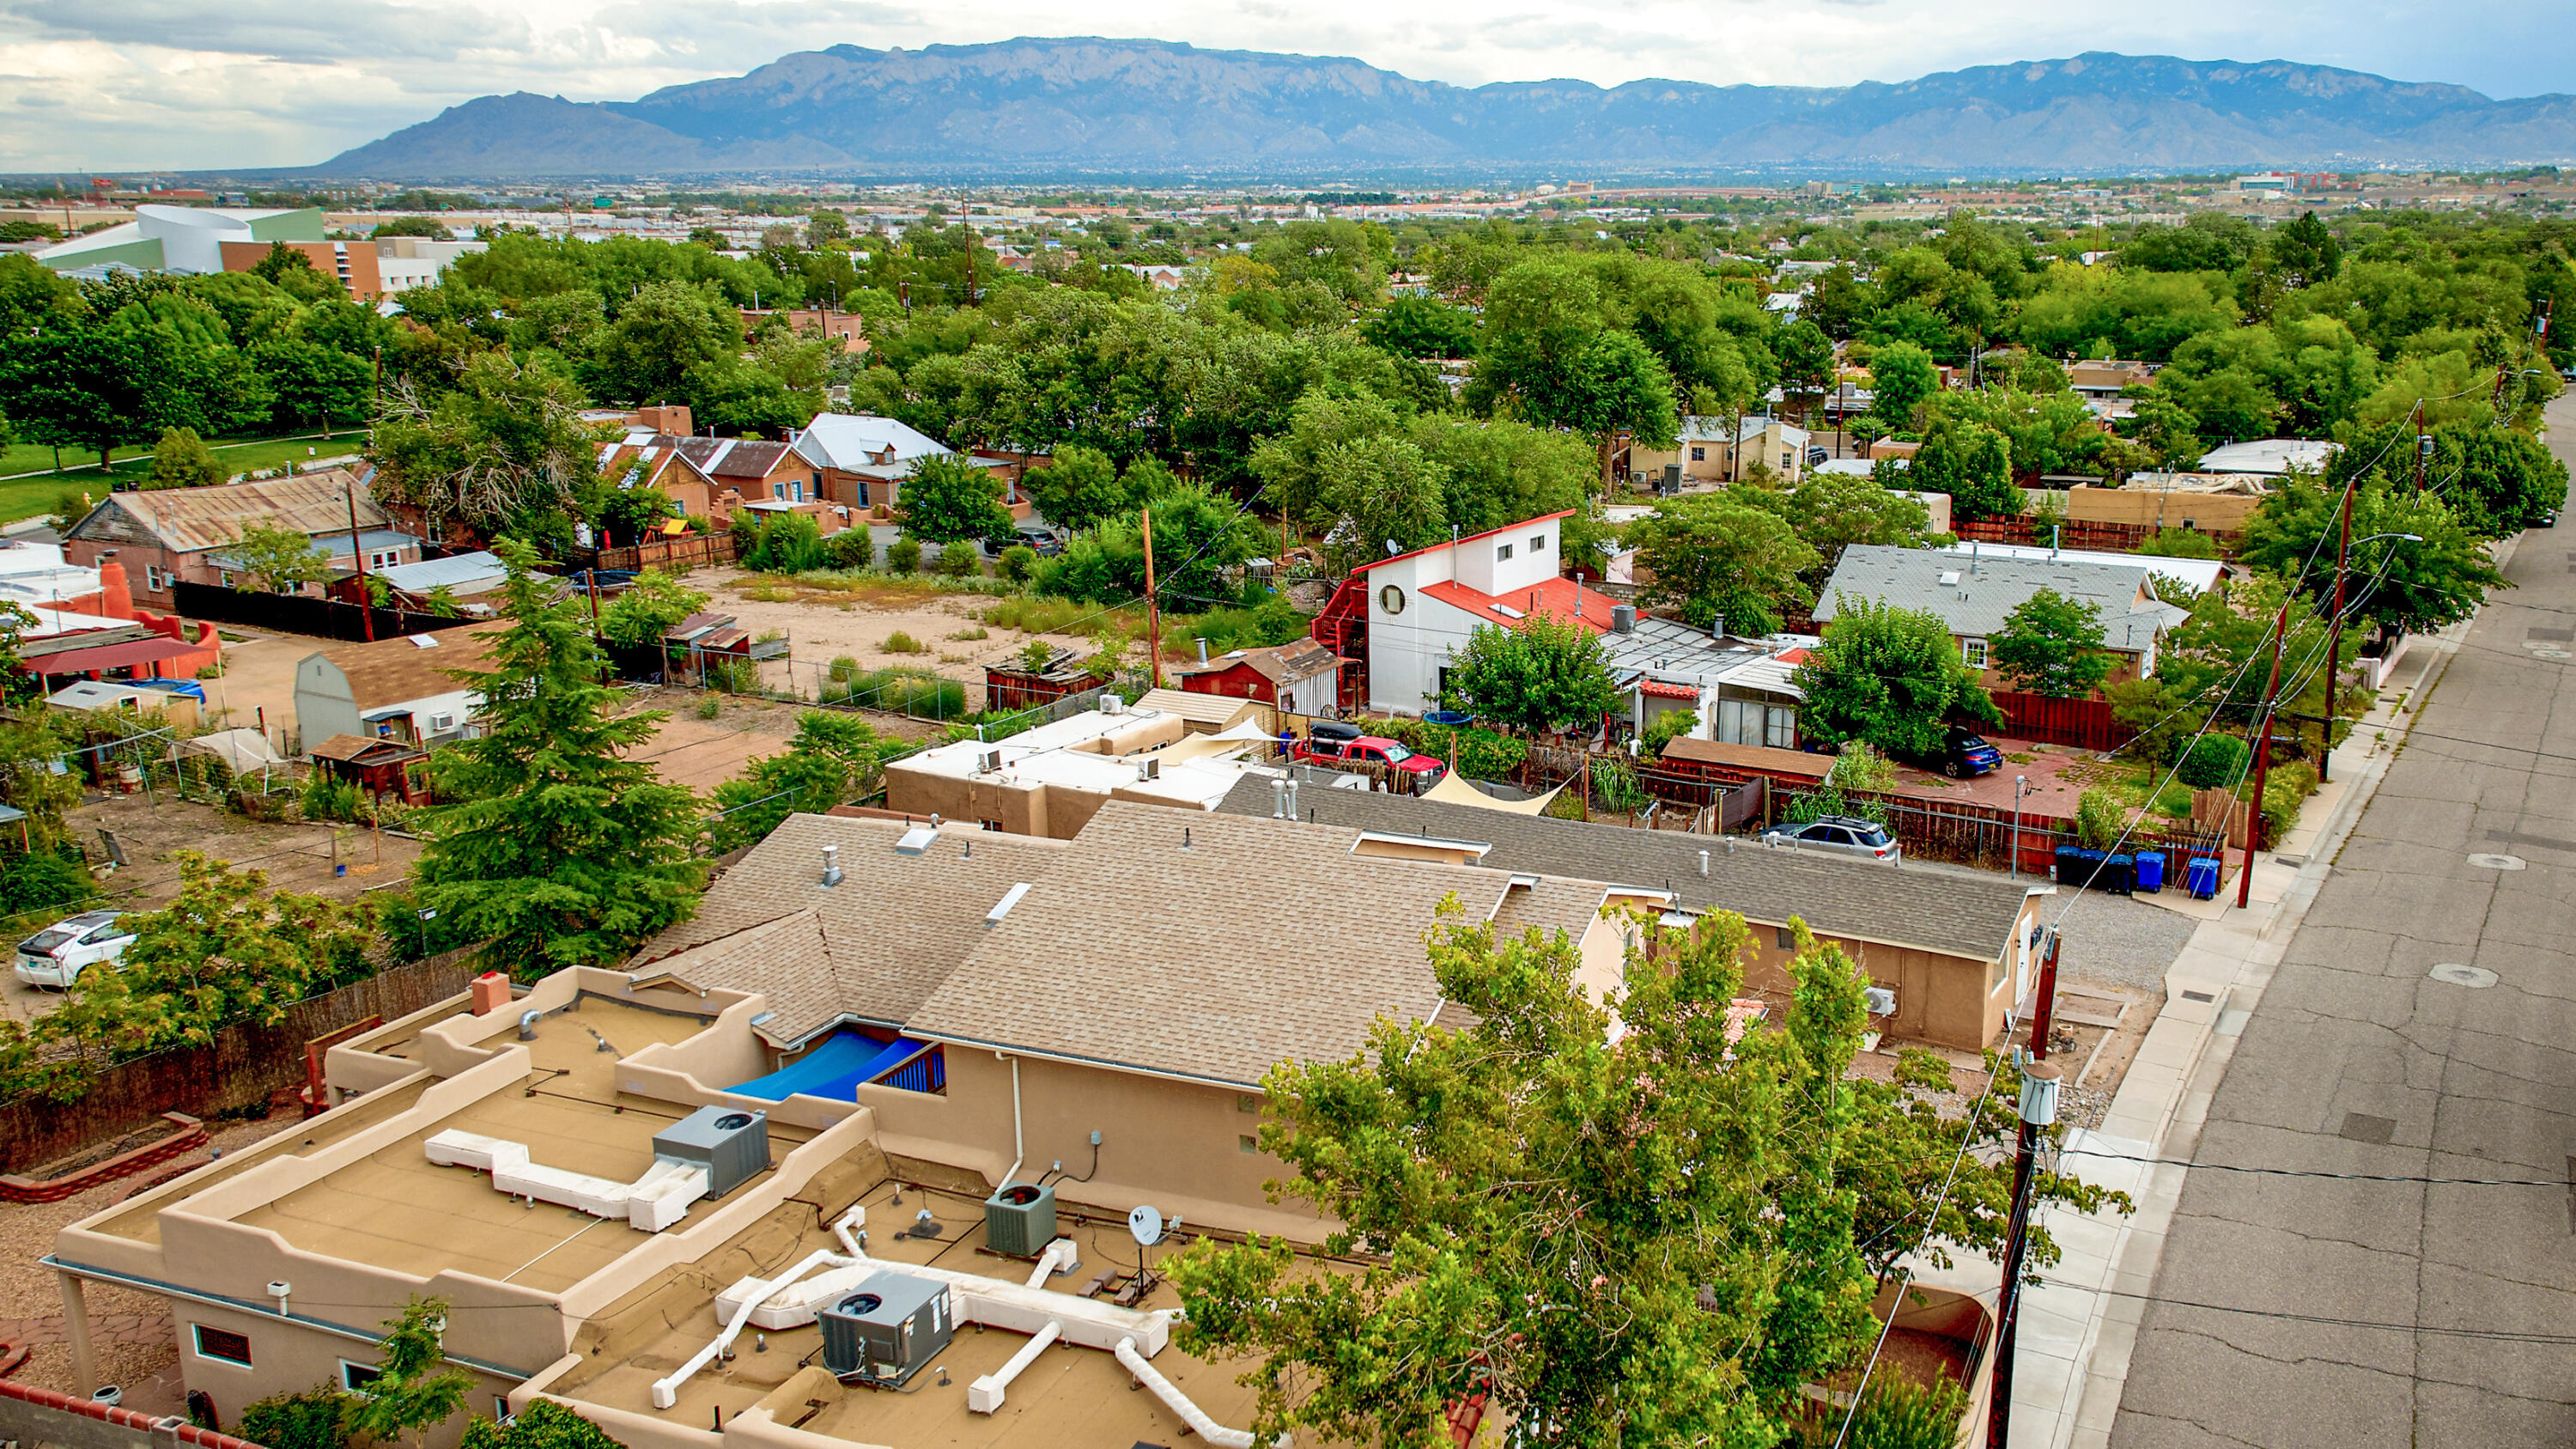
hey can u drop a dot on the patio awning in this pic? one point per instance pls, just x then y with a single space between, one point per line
113 656
1657 689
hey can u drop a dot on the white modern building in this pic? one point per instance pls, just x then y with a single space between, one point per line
180 238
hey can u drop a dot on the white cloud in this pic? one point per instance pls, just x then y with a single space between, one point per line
130 84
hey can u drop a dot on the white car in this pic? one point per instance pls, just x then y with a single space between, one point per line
55 955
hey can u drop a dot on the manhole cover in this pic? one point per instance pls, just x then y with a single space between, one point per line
2361 1127
2496 862
2459 975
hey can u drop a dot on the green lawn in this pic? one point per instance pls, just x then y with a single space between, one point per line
25 497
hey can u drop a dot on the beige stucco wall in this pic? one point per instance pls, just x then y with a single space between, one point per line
2147 506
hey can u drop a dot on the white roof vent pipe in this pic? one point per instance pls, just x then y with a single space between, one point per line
831 865
1203 655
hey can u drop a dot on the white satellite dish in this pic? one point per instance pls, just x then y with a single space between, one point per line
1145 1225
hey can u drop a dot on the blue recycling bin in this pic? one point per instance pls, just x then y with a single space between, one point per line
2151 871
2201 877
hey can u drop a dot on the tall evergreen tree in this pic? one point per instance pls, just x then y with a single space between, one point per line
560 848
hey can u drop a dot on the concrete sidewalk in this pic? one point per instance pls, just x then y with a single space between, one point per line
2077 1330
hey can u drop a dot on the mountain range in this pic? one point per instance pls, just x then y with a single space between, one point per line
1063 107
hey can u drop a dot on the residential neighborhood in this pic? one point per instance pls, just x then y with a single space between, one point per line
693 783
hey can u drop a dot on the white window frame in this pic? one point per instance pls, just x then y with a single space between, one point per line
156 579
1538 543
372 1371
1502 552
1974 653
1699 455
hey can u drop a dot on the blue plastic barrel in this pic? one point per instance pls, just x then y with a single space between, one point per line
2151 871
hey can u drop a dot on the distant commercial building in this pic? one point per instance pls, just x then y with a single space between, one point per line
195 240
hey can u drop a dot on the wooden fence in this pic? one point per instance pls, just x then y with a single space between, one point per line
2084 533
2085 724
240 1068
692 550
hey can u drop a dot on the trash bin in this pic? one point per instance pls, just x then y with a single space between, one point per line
2201 876
2151 871
2070 866
2118 875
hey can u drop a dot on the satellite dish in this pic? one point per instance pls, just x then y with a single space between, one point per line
1146 1225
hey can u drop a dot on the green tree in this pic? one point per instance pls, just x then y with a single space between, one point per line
663 331
1423 327
1889 676
560 848
1973 464
314 1418
1716 557
833 757
413 1391
630 513
1833 511
2404 585
950 500
1078 489
293 273
543 1424
1543 673
2052 645
648 609
182 460
503 449
1631 1236
1901 377
278 560
228 949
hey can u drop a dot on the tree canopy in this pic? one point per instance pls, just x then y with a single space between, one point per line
1888 676
2052 645
1540 674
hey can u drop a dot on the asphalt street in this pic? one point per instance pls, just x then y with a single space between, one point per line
2371 1052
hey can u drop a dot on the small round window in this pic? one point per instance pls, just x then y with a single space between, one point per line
1391 599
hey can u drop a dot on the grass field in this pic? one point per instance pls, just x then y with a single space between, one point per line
28 486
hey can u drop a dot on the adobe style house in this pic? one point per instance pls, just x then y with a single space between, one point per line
164 535
1301 678
1974 594
872 1021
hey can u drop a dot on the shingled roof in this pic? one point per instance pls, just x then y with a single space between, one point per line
1856 900
400 670
1213 947
871 948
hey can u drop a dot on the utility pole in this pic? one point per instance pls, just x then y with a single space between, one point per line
1153 604
2423 446
2037 1109
358 556
2334 639
2262 763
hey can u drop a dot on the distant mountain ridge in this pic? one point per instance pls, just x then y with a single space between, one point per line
1036 106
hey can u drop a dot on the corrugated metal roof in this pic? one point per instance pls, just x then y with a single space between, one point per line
431 573
188 520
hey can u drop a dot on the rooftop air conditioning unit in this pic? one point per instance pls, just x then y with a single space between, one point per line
1149 769
1112 704
731 1144
987 761
1019 1220
886 1330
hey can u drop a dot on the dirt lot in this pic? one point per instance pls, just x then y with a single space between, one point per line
822 625
2051 795
138 1346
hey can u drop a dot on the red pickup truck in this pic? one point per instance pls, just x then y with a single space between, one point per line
1341 744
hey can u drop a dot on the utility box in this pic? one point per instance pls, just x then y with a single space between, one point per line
1019 1220
730 1143
887 1329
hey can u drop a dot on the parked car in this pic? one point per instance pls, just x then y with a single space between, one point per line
56 955
1840 834
1963 755
1817 455
1334 743
1040 540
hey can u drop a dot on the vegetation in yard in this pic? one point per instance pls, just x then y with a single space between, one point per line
2052 645
1889 676
1541 674
2214 762
833 757
646 612
900 642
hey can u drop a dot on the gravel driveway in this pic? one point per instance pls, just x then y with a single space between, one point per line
2116 940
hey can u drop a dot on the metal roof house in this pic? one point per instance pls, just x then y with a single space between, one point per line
1975 595
176 534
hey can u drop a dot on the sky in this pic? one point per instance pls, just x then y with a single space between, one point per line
125 85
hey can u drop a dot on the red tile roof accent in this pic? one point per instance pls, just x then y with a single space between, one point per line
1556 596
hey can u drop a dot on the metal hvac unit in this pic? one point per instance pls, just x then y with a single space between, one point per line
731 1144
887 1329
1019 1220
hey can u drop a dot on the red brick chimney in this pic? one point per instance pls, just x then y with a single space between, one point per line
115 594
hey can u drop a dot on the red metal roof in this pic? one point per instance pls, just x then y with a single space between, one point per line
1469 538
1557 596
113 656
1660 690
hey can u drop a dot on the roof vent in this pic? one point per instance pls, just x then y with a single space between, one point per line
1623 619
917 841
424 641
1009 899
1949 576
832 864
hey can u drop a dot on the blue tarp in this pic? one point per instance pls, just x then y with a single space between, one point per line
834 1070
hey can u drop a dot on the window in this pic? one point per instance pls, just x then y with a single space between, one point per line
1973 651
1538 543
356 1376
224 578
1246 1102
223 1345
1502 552
799 489
1245 1143
1787 939
1699 455
154 578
